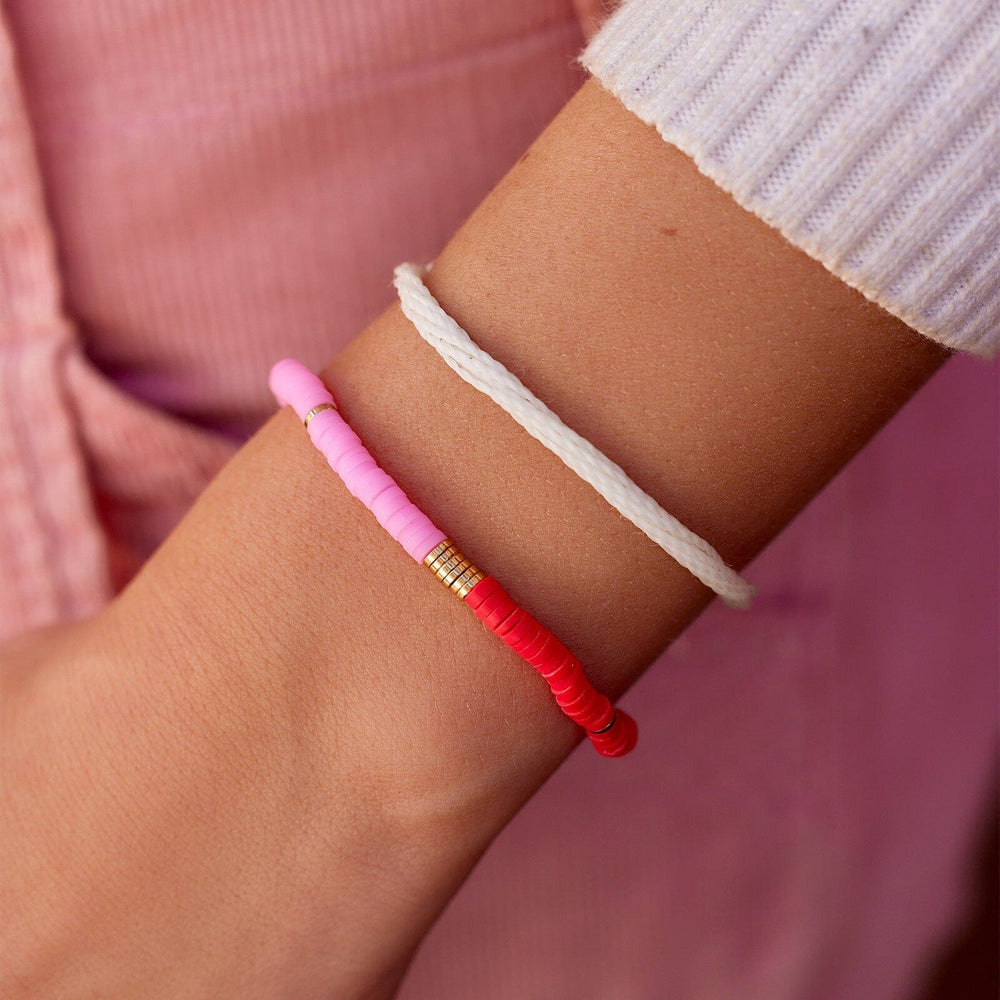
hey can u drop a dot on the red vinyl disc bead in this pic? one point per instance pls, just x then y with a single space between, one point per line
612 732
619 739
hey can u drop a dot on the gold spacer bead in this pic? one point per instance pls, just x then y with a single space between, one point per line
452 568
614 719
317 409
467 581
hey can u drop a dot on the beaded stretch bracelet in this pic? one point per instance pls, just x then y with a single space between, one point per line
612 731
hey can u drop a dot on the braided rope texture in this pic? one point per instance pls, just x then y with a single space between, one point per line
486 374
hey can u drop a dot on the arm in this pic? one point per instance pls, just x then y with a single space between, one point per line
269 763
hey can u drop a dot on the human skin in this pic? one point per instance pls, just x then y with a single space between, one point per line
266 766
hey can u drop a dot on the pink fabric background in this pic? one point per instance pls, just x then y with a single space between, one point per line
192 190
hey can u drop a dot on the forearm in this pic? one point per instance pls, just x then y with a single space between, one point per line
287 714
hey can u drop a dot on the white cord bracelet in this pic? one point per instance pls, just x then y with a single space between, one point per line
487 375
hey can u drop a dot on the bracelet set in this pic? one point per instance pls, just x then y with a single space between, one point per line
612 732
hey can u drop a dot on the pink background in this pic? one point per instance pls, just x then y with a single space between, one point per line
194 189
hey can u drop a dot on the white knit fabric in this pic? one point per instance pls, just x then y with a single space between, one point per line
867 133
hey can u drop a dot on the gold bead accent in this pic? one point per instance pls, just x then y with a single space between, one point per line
317 409
456 572
614 719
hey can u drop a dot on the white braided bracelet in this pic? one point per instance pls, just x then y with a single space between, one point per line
487 375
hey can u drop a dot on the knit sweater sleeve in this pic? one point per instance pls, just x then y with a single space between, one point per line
868 134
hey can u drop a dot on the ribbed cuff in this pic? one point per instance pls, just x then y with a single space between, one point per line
867 134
